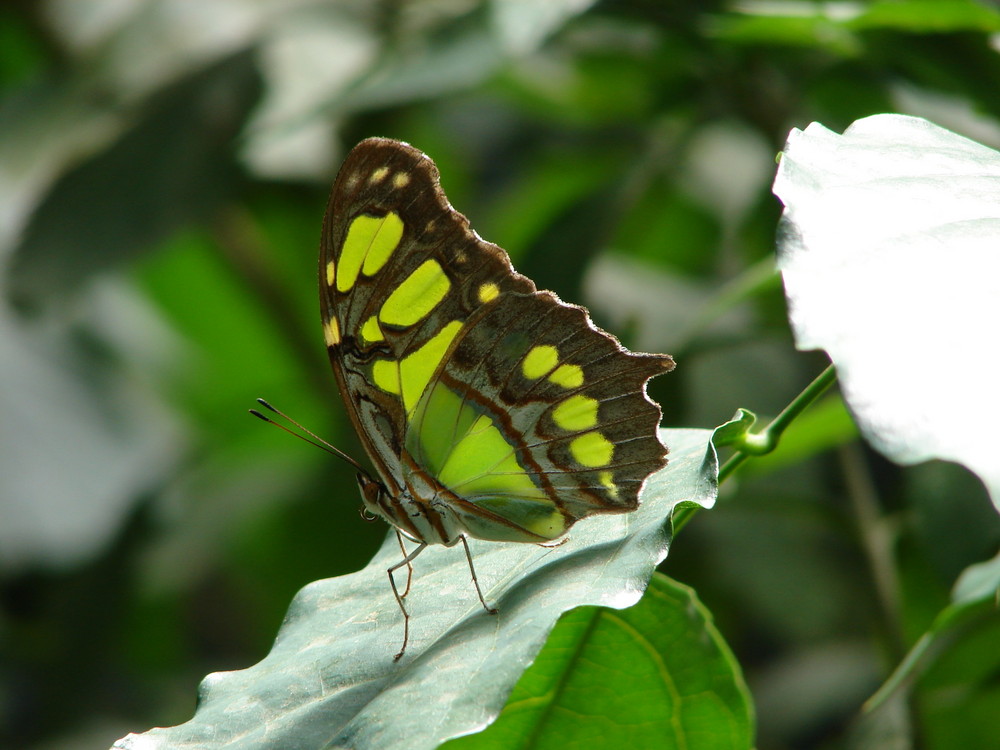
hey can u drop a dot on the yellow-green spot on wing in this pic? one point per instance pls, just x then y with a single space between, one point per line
483 468
607 479
576 413
538 518
331 272
482 462
385 241
467 453
371 332
539 361
417 369
385 373
592 449
488 292
410 376
568 376
370 242
416 296
331 332
441 417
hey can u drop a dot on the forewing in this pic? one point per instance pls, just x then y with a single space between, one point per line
396 267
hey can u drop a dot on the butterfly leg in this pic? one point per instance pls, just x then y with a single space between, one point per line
556 543
475 581
409 567
399 599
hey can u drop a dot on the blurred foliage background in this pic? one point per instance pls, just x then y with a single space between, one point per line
164 168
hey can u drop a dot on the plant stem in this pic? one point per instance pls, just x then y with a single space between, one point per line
765 441
811 392
877 538
951 625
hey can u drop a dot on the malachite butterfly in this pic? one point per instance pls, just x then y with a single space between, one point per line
489 408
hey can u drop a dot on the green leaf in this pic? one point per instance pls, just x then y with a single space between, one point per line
736 429
832 25
889 254
813 31
658 673
928 16
330 680
959 694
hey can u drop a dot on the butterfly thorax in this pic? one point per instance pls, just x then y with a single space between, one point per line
417 519
426 511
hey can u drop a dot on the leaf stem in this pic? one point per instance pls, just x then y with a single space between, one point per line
765 441
951 624
877 538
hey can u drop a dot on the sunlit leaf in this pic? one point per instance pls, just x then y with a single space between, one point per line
978 582
736 428
890 253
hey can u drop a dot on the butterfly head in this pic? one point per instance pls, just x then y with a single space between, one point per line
378 501
406 514
373 494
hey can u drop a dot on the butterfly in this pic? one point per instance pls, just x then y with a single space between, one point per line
488 408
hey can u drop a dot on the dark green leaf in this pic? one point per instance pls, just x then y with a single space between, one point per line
168 172
658 673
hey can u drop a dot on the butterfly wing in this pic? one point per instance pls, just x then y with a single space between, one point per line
491 407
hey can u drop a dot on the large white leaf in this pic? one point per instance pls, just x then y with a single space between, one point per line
890 252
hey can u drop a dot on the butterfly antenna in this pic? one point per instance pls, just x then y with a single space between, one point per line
316 439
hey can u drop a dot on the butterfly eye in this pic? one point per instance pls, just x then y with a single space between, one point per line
370 489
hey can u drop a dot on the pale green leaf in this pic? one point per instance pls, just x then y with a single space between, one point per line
978 582
330 679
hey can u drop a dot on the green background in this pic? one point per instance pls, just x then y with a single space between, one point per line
163 172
